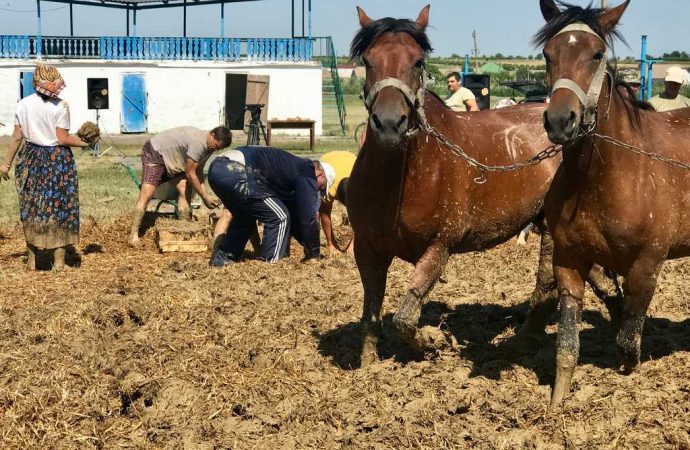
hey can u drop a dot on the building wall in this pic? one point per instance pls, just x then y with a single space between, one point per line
179 93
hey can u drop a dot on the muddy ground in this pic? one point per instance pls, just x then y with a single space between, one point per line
135 349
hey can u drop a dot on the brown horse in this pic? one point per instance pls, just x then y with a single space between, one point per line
411 197
610 203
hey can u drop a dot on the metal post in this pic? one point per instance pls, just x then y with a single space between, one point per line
39 39
643 68
466 68
302 18
134 23
309 18
71 20
293 18
310 52
222 19
184 18
127 19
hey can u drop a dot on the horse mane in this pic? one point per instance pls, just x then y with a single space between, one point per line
589 15
369 33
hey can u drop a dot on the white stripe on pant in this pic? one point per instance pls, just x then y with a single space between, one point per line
281 228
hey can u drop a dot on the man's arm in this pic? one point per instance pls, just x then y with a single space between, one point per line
471 104
327 225
191 170
307 207
15 142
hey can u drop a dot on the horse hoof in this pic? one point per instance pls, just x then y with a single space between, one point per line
406 331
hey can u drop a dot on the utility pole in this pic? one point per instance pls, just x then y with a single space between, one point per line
476 52
604 4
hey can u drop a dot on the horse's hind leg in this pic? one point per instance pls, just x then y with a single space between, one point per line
426 273
605 287
542 302
639 288
373 270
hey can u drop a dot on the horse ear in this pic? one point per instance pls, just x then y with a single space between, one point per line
423 18
364 20
549 9
610 17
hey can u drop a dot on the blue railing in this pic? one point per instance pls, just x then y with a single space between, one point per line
157 48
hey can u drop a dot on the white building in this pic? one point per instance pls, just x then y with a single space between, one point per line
150 96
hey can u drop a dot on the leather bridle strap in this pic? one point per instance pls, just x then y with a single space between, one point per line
590 99
416 101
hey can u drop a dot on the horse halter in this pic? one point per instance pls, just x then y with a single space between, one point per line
590 99
415 100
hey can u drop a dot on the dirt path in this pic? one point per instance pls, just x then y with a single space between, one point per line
140 350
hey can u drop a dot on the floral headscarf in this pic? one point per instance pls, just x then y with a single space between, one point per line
48 81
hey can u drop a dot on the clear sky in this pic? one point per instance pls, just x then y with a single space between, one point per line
504 26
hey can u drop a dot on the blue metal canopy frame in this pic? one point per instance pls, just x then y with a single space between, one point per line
137 5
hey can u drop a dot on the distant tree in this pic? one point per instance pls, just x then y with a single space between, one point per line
455 55
530 57
522 73
539 56
499 56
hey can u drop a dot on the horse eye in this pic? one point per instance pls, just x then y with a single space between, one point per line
598 56
419 64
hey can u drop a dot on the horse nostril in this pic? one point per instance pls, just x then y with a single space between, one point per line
547 124
571 119
377 122
402 120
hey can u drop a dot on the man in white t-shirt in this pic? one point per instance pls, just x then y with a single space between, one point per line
671 99
460 98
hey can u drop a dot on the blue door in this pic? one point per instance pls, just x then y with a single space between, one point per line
133 103
26 82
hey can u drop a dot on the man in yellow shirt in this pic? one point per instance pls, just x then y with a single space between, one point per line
337 165
460 98
670 99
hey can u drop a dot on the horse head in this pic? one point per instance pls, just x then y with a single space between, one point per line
575 51
393 52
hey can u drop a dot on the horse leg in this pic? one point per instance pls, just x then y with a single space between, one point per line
639 287
426 273
605 287
571 286
373 270
542 302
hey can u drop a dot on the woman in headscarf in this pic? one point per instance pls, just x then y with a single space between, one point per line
46 175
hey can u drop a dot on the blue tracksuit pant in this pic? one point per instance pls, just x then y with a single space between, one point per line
228 180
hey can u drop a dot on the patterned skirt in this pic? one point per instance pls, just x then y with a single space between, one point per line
48 192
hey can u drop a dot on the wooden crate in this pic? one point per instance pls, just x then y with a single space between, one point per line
182 236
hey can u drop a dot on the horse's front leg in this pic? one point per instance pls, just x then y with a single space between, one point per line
373 270
570 276
426 273
638 287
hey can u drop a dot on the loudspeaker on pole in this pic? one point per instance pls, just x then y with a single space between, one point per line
97 93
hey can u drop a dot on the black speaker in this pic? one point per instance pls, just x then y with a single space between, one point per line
97 93
480 85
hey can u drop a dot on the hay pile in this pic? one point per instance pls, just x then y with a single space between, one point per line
140 350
